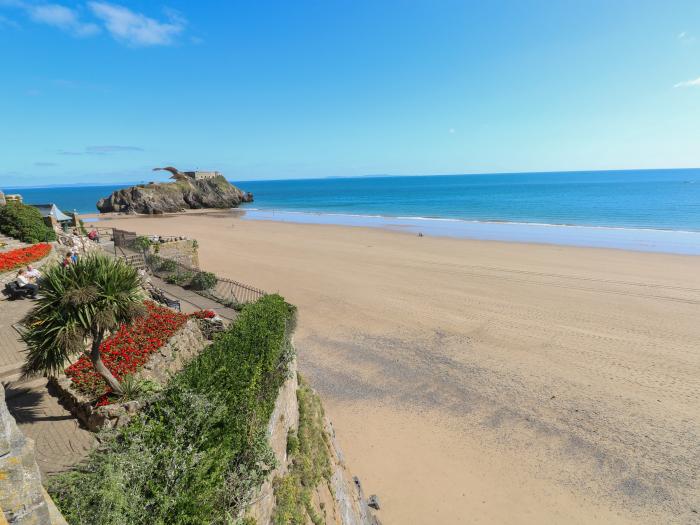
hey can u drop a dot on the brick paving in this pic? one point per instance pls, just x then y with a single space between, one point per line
60 442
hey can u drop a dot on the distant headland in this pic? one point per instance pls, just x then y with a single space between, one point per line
189 190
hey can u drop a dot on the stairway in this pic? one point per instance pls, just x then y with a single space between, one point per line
135 260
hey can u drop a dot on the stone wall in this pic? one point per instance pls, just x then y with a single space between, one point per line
185 344
183 251
23 500
346 502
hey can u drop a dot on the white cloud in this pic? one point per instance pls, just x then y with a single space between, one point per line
126 26
688 83
135 28
61 17
685 37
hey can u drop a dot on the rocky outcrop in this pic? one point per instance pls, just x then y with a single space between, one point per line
170 197
23 500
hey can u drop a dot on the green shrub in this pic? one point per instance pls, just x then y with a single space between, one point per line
142 243
199 453
204 281
167 265
181 278
24 223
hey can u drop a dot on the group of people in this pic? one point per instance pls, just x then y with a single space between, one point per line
27 280
71 257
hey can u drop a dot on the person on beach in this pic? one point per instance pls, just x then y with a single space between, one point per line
24 283
67 260
94 236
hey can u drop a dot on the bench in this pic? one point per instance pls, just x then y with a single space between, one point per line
158 295
13 291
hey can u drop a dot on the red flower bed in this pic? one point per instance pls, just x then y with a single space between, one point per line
126 350
203 314
22 256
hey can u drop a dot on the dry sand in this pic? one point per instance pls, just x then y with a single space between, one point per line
486 382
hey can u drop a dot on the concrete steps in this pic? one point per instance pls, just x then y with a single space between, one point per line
137 261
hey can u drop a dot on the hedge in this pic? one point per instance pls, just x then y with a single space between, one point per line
24 223
199 453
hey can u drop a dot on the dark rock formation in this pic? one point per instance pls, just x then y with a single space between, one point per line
175 196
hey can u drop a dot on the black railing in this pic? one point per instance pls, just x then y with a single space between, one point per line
224 291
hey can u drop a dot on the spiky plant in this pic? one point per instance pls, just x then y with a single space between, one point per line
80 304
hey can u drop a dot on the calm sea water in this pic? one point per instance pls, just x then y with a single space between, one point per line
627 200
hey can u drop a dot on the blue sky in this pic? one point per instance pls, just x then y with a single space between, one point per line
101 92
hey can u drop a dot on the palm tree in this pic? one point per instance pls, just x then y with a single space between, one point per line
80 303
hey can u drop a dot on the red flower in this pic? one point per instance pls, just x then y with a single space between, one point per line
203 314
126 350
21 256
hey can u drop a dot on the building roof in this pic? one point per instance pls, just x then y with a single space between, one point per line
52 209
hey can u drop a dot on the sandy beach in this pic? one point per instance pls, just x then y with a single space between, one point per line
486 382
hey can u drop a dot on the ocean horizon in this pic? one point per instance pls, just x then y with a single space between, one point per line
649 210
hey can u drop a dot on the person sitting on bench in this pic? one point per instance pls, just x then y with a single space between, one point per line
24 283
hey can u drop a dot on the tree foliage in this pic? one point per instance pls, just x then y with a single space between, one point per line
78 303
25 223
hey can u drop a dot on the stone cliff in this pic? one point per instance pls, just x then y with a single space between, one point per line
175 196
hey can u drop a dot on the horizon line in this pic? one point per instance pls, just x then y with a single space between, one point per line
366 176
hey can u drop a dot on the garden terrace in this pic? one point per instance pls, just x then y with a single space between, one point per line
198 453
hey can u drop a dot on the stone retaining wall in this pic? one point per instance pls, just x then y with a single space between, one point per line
185 344
23 500
347 500
183 251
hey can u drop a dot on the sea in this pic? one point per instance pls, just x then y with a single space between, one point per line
645 210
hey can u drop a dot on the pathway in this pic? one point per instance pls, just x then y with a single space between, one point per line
60 442
191 301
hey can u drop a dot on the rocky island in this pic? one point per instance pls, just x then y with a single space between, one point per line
189 190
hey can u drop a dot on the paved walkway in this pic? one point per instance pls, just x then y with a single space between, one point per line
60 442
191 301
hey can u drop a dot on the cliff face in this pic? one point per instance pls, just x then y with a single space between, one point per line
175 196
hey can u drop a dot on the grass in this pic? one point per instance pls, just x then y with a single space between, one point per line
309 450
199 453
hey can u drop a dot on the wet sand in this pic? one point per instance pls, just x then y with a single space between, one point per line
487 382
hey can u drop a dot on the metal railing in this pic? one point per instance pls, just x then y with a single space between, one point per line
225 291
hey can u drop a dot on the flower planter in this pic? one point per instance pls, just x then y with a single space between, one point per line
170 358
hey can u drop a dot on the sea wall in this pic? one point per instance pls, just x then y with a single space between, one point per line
185 344
23 500
345 498
285 417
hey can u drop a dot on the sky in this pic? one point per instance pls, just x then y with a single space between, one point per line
100 92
